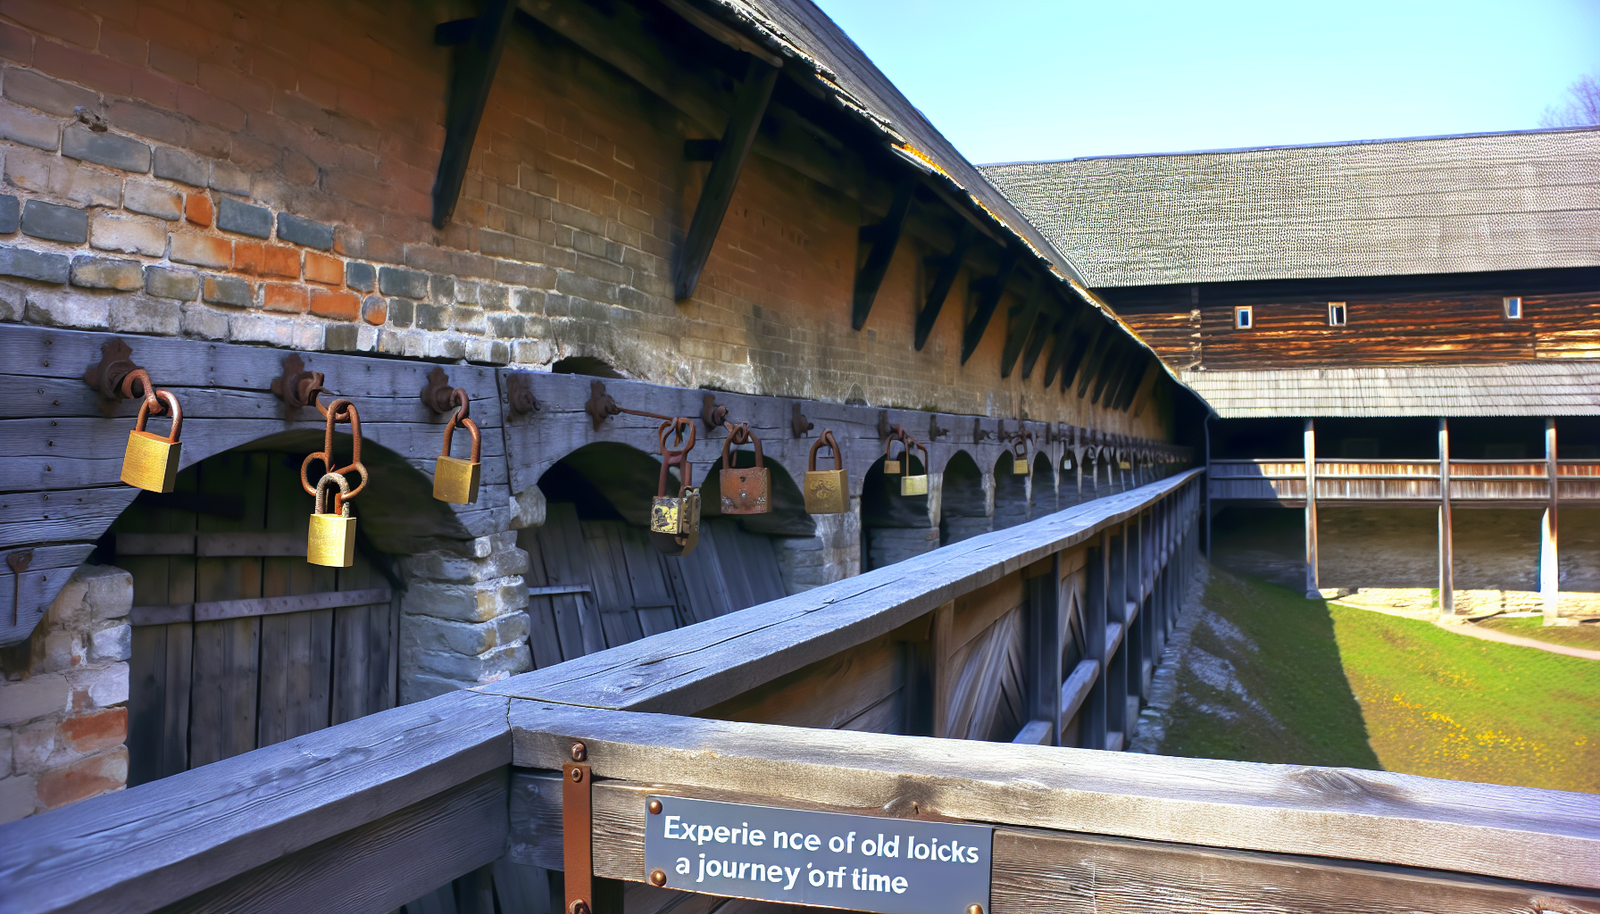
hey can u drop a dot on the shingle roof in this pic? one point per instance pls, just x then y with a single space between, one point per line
1547 388
1507 201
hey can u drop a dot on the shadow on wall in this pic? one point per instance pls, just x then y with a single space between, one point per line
963 508
894 527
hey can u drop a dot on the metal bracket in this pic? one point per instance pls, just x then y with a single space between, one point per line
519 393
577 827
978 431
297 387
934 431
600 405
799 422
19 562
885 429
712 413
438 395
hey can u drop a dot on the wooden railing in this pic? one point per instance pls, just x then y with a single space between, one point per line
373 813
1402 480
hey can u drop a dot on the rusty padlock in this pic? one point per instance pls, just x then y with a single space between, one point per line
456 480
151 461
675 520
745 490
331 537
891 464
914 485
827 491
1020 465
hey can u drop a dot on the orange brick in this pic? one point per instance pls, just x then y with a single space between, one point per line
374 309
100 730
247 257
324 269
343 306
198 208
87 777
283 296
280 260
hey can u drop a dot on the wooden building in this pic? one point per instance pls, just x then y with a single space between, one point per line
1406 326
582 215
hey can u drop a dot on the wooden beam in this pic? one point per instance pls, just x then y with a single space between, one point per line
1019 325
1127 379
723 32
993 288
1066 332
949 267
724 177
1141 397
1082 344
1116 355
1313 586
1549 543
881 241
216 610
472 70
1045 327
1096 358
1447 564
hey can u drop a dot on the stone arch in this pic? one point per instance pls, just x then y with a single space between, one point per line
894 526
1010 493
1043 491
964 509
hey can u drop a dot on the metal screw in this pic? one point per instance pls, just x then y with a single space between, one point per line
579 907
658 878
655 810
577 775
579 752
974 909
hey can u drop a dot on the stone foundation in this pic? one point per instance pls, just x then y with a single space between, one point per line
64 698
464 619
832 554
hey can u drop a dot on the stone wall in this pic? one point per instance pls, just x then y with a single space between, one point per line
238 172
63 701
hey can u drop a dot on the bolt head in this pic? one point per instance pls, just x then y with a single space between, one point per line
974 909
579 752
655 808
658 878
577 775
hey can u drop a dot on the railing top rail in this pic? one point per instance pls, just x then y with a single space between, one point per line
1374 816
687 669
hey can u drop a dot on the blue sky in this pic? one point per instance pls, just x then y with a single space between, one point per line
1011 80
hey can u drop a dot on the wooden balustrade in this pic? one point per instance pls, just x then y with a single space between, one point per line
1473 481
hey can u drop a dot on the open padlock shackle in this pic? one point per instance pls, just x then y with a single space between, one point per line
171 406
336 412
833 445
671 458
341 498
741 434
147 388
910 443
459 417
888 446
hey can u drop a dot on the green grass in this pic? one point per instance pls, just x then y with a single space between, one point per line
1345 686
1587 636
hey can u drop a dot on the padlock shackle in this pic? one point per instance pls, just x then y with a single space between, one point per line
147 388
671 458
341 498
459 418
826 438
741 434
171 406
336 412
888 447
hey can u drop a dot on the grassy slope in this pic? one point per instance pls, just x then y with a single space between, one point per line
1585 636
1350 687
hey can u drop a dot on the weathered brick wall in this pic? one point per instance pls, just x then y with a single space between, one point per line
63 698
262 174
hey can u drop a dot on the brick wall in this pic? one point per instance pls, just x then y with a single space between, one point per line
63 698
230 171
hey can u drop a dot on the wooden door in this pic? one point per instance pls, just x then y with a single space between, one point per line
238 642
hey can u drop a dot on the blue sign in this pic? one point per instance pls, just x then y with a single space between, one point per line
825 859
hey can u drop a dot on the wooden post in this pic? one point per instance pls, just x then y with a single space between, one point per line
1313 587
1549 557
1044 648
1206 500
1092 723
1116 662
1447 577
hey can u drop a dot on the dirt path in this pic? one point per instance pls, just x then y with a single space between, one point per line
1489 634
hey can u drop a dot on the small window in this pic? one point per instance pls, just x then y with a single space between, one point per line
1243 318
1513 307
1336 314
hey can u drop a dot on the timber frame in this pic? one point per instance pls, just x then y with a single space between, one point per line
788 107
63 453
375 812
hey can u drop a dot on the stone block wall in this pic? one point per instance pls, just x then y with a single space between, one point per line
464 619
64 698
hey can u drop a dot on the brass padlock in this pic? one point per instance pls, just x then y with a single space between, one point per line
827 491
745 490
891 464
911 485
151 461
675 520
456 480
331 538
1019 456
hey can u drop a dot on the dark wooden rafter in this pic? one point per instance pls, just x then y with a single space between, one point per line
1019 324
1091 368
949 267
1139 387
1126 380
1113 367
988 300
880 240
1050 323
753 96
1067 335
1082 345
1146 391
478 42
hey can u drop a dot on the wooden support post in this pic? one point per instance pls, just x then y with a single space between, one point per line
1116 664
949 268
754 94
1092 727
881 241
994 287
1043 673
1205 500
1447 575
1313 586
480 43
1549 555
1019 325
